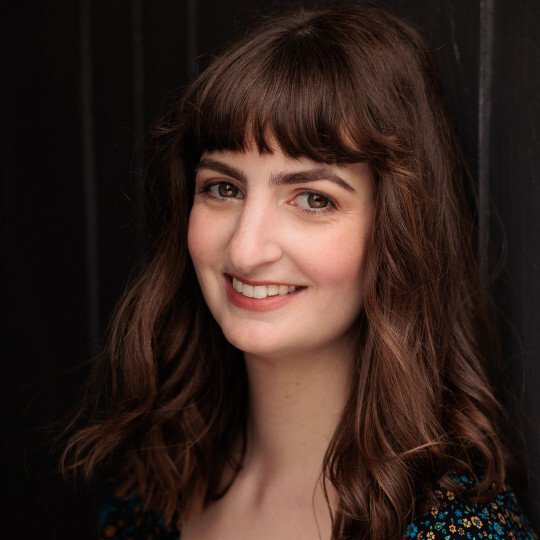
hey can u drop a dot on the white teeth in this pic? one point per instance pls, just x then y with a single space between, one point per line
273 290
237 284
261 291
283 289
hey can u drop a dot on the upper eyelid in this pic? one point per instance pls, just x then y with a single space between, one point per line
217 179
212 176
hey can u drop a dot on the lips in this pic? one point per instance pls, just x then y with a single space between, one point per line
261 291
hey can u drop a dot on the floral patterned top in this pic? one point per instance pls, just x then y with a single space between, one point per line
451 519
455 518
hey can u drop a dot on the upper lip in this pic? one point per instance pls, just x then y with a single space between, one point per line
255 283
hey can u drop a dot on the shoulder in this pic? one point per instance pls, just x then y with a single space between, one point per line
128 520
456 518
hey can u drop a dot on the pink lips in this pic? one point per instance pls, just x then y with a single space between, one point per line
257 304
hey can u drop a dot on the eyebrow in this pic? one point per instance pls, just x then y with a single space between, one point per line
279 179
223 168
311 175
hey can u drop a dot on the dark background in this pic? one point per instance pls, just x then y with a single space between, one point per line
83 81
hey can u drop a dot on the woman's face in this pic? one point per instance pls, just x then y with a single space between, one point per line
279 248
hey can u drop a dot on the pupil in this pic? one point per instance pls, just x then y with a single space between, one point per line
226 190
317 201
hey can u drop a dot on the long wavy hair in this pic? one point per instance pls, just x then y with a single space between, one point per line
168 397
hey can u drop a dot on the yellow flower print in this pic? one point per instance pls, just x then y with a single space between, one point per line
476 522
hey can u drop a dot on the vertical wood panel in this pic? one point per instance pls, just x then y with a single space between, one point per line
192 32
44 286
139 125
515 188
114 136
86 87
484 132
166 69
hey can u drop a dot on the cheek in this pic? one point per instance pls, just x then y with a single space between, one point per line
199 237
339 263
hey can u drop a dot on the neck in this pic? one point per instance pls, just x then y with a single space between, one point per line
295 405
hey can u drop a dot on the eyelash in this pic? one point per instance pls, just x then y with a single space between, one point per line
329 208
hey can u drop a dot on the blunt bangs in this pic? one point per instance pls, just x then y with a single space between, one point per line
281 85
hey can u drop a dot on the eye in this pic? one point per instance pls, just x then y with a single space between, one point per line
311 200
316 200
223 190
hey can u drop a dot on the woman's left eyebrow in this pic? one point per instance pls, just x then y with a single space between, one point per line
311 175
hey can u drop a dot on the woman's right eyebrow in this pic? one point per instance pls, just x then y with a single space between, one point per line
223 168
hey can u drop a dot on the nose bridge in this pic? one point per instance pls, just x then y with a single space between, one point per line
254 242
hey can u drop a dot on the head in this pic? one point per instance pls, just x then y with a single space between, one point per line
351 87
337 88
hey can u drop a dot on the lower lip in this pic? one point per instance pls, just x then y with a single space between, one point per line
258 304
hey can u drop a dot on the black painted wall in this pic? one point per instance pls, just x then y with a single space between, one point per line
84 80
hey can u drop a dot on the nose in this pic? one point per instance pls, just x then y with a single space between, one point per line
255 240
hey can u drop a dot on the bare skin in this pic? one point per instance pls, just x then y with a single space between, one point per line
278 493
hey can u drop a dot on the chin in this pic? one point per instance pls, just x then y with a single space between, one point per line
258 343
256 347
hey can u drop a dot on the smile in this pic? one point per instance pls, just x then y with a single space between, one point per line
257 296
261 291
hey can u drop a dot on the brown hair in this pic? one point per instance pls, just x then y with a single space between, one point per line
169 394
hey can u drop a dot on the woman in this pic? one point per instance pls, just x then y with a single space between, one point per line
303 354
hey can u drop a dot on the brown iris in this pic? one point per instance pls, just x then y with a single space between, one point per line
227 190
317 201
